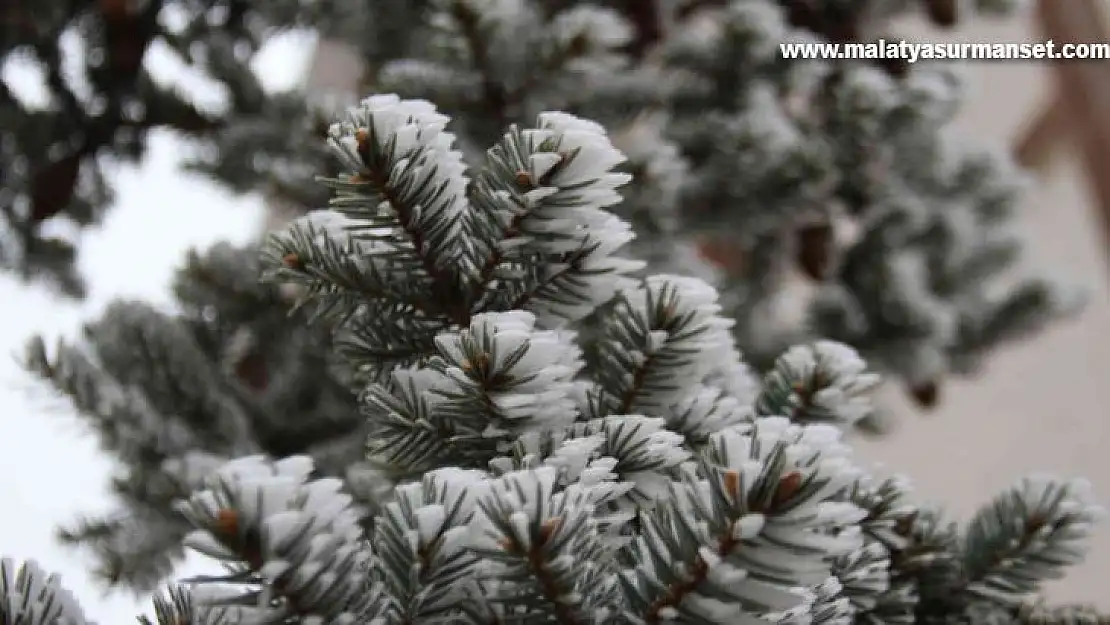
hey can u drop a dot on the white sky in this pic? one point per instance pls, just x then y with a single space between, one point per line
50 467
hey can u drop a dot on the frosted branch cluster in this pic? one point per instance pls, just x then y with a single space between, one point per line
559 441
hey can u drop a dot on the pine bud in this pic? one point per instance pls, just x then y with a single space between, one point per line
509 545
815 250
292 261
724 254
927 394
480 363
905 525
245 541
362 143
524 179
943 13
227 523
732 484
548 529
1035 523
787 488
362 135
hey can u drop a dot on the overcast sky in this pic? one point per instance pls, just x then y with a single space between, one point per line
50 467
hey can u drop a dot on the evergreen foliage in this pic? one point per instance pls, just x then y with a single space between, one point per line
101 103
516 468
172 396
822 200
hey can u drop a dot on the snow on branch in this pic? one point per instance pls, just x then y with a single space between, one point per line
555 441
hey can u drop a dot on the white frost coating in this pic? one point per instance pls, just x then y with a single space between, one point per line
537 366
298 531
595 26
28 595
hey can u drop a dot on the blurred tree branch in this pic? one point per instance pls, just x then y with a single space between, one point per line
1084 90
127 34
1048 128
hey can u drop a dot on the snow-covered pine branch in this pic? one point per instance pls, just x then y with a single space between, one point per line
520 481
824 381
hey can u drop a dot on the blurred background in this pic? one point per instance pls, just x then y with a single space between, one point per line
51 468
988 429
1039 406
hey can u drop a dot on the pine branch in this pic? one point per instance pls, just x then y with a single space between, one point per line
698 545
297 538
486 388
534 178
426 575
1041 614
442 282
508 479
126 38
825 382
1025 537
543 548
31 596
653 343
